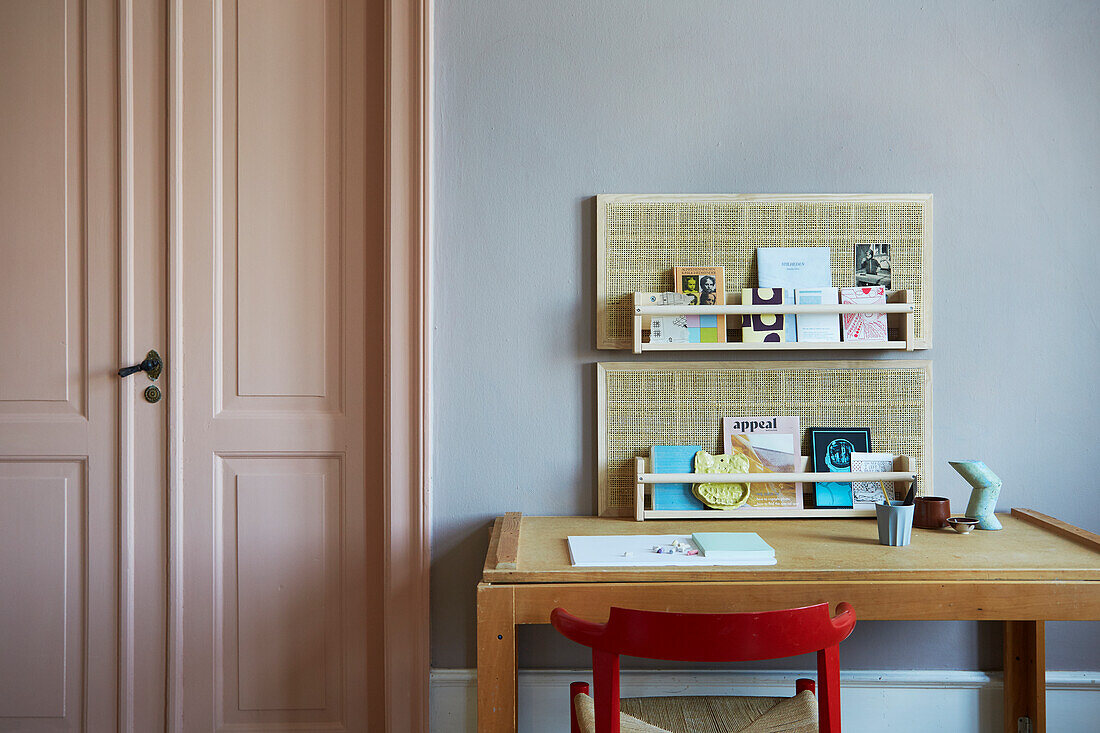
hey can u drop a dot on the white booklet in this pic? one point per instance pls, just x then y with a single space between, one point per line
820 327
869 493
791 268
636 550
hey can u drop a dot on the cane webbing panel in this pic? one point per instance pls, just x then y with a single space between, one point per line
640 238
647 404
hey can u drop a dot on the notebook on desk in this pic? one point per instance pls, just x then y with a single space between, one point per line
592 551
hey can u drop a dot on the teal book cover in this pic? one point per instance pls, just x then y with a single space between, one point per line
674 459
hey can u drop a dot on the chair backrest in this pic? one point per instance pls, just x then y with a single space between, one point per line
712 637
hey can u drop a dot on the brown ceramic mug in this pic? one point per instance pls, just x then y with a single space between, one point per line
931 512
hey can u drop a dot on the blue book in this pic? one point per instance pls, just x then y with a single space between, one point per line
674 459
791 268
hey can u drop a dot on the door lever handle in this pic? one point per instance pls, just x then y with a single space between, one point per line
150 365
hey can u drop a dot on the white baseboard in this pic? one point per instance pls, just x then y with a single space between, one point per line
900 701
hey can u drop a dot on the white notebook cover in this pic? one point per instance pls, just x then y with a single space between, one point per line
595 551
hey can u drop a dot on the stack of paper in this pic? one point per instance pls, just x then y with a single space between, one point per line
744 546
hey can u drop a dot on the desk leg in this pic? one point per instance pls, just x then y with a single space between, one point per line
1025 675
496 660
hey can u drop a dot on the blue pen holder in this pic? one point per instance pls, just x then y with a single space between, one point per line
895 523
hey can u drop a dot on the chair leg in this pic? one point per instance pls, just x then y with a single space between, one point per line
804 685
575 688
605 678
828 699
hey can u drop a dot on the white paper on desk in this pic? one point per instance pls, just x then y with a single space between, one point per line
592 551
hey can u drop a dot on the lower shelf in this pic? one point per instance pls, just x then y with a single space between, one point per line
754 513
902 474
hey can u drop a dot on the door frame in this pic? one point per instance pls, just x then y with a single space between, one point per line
407 362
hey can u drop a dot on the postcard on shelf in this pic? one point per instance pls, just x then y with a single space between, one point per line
864 326
670 330
869 493
791 268
832 450
818 327
769 445
767 327
669 299
733 546
872 264
674 459
705 286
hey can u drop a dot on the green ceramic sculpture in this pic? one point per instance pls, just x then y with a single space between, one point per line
716 495
983 495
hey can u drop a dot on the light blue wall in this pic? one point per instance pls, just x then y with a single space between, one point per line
994 107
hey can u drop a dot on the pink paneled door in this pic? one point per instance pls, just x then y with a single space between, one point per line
188 177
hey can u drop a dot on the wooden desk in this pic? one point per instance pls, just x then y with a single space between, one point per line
1034 570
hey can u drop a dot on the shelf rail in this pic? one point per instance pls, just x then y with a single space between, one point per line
900 302
902 474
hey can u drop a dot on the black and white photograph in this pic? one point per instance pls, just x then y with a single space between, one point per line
873 264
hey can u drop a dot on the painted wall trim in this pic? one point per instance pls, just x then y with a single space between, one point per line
407 515
901 701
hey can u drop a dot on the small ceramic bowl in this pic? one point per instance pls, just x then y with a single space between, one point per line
962 525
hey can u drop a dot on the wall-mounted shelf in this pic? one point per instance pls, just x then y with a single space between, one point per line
640 238
902 474
642 404
899 309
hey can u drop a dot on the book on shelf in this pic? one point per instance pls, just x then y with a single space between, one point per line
733 546
705 286
674 459
791 268
832 450
872 264
868 493
762 327
817 327
671 330
864 326
770 445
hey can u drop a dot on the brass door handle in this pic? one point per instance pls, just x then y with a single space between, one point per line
151 365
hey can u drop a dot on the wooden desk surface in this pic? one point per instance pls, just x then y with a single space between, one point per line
1035 569
813 549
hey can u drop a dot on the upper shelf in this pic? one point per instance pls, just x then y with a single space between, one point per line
641 237
899 309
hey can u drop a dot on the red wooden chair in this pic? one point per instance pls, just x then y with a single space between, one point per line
707 637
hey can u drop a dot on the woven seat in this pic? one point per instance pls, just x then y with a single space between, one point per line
722 714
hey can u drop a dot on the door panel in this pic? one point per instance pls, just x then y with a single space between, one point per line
281 195
286 156
281 587
272 251
41 207
59 397
41 505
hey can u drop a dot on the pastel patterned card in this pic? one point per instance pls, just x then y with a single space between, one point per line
704 286
864 326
